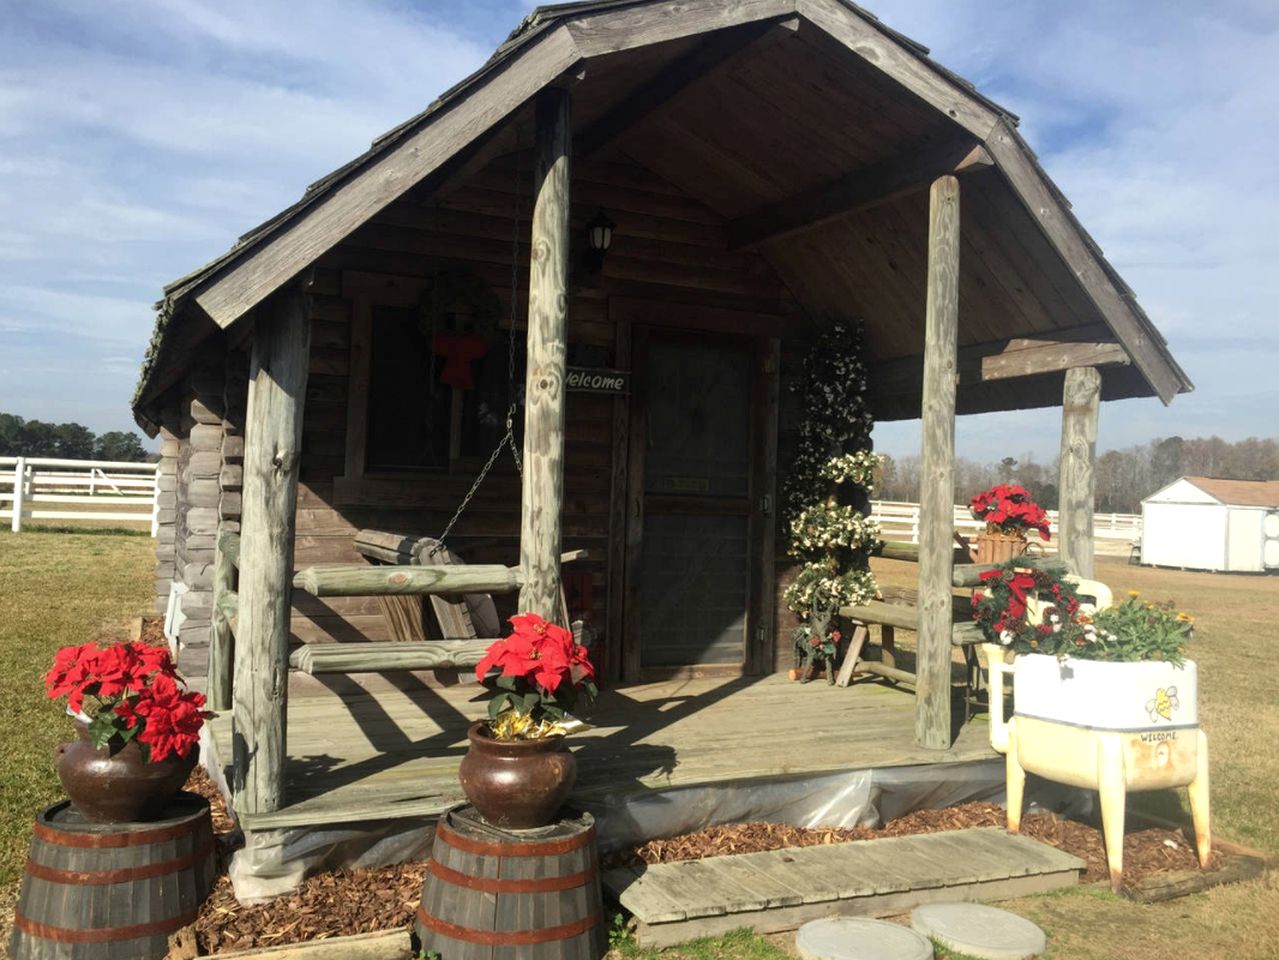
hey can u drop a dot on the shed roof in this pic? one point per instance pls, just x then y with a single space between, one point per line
1033 271
1240 493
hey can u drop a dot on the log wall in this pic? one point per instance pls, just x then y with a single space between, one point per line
669 259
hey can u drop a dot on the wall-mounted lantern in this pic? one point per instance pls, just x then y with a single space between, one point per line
599 237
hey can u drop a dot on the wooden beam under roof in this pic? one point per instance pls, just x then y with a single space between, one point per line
601 32
1090 345
897 176
242 284
870 41
718 52
1051 212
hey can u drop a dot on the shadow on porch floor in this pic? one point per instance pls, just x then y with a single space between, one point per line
357 756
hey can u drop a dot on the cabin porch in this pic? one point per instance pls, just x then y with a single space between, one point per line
369 748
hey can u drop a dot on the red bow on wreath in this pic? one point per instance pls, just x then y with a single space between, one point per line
459 350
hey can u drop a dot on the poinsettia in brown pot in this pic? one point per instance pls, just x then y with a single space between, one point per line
139 729
1009 513
518 771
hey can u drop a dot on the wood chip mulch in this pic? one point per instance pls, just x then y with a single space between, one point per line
347 902
340 903
1146 852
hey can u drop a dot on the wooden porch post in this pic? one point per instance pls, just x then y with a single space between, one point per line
273 440
1077 481
937 469
542 495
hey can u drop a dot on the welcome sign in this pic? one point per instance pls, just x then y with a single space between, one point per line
599 380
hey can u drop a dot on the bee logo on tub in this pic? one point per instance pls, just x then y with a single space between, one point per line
1162 704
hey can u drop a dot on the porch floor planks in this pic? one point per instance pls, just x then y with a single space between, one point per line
675 902
357 754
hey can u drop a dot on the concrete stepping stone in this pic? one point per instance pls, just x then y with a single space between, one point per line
979 931
857 938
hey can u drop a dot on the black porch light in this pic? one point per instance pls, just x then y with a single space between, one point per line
599 237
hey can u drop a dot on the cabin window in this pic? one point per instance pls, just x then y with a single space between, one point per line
422 414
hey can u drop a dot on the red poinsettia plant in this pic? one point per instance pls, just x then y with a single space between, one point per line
129 692
1008 508
540 675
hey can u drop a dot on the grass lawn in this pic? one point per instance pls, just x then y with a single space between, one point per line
59 588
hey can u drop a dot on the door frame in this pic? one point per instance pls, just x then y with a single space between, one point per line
758 641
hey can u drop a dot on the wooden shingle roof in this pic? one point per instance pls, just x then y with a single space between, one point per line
594 39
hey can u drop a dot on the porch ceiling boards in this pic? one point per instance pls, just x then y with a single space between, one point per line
360 756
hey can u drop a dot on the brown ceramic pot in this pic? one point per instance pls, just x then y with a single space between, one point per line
518 784
113 784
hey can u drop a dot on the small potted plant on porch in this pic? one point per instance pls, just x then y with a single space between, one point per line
138 727
1009 513
518 771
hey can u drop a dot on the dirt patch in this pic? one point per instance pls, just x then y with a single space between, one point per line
153 632
1146 852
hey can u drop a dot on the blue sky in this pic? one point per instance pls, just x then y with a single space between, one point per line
139 138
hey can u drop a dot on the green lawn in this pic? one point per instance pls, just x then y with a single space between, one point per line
60 588
55 589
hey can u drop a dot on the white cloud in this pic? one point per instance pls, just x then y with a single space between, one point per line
138 138
1159 123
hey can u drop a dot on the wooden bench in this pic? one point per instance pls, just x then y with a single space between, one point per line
401 572
899 609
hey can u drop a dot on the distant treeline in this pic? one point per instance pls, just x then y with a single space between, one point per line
72 441
1124 477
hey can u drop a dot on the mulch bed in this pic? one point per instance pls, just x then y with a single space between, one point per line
336 904
347 902
1146 852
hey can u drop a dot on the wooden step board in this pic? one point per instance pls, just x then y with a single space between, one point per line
372 656
781 889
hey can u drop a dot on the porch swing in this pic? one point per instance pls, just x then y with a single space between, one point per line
467 621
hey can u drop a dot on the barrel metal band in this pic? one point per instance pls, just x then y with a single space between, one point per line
110 841
123 875
44 931
451 837
570 881
506 938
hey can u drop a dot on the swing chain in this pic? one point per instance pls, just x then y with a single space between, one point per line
513 408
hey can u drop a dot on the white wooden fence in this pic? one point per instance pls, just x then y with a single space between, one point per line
1114 533
121 491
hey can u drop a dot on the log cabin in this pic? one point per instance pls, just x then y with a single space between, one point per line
433 339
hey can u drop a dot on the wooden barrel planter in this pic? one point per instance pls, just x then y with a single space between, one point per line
112 891
532 894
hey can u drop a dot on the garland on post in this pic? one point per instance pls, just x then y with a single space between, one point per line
828 491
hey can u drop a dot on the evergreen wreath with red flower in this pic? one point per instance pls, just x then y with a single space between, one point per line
129 692
541 677
1012 590
1008 509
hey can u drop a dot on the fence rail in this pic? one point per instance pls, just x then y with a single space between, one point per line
1113 533
123 491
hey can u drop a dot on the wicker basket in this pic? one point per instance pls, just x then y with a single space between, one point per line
999 547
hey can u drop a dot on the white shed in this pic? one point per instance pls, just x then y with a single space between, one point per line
1207 523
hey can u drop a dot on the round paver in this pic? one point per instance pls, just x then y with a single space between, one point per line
856 938
979 931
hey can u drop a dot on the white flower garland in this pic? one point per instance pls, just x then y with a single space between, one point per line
856 468
828 526
829 535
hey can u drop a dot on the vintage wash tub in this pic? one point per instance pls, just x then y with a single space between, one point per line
1112 727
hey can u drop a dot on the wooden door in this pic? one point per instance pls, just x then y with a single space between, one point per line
694 570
